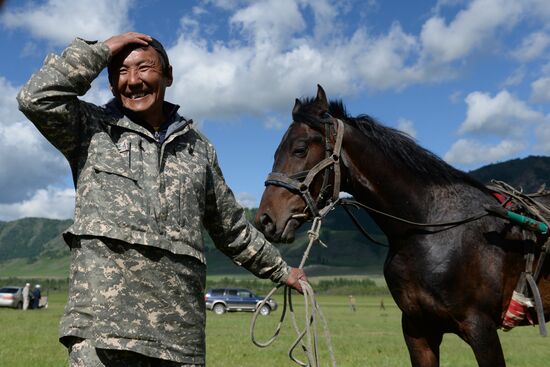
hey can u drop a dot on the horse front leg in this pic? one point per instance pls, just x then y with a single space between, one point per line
423 342
480 332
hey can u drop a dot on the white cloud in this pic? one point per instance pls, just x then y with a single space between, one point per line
47 203
270 23
470 29
99 93
471 152
9 113
456 97
59 21
532 47
542 137
503 115
27 160
246 200
407 126
540 90
273 123
515 78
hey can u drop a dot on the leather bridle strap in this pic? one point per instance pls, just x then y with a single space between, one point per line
294 183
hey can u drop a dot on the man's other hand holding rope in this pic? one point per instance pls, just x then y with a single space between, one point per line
296 276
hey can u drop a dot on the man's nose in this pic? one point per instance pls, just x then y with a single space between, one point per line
133 77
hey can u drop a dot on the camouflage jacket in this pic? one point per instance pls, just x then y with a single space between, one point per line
129 185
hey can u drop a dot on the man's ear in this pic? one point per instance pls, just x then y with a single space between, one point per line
169 76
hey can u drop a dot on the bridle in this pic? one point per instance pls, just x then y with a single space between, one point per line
300 182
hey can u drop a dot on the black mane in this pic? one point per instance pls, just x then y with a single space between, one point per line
397 146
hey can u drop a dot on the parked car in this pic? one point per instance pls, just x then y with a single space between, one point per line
221 300
11 297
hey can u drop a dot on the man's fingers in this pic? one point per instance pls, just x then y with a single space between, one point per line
119 42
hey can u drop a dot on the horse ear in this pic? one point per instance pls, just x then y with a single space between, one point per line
297 106
321 97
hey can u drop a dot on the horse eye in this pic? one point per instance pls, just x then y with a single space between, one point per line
300 151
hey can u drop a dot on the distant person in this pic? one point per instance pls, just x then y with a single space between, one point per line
147 182
26 296
36 295
352 302
382 307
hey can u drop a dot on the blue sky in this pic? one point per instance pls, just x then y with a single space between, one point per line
469 80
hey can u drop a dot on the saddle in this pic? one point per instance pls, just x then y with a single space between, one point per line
531 211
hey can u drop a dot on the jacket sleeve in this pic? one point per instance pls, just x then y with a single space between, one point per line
234 235
49 98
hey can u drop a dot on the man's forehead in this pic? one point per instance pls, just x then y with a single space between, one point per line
138 55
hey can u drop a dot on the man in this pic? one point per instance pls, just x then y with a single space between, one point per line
352 302
36 296
147 181
25 293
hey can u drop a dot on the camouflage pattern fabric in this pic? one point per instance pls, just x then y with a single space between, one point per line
137 298
132 188
83 354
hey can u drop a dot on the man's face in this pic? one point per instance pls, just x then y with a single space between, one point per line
139 83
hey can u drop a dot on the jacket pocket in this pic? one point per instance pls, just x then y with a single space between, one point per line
114 169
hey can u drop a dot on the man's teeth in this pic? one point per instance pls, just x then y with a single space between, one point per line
138 95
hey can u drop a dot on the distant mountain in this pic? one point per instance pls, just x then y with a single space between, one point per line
35 243
32 237
527 173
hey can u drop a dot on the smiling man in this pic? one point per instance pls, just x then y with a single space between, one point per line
147 182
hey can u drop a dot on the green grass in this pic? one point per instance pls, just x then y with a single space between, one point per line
368 337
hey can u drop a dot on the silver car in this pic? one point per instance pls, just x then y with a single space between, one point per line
11 297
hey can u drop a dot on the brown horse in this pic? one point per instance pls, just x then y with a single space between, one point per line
457 279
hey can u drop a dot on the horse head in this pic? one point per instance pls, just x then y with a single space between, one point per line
298 186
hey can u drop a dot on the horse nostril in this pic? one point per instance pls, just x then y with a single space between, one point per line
266 223
265 220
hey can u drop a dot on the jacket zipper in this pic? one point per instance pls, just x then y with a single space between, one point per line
157 140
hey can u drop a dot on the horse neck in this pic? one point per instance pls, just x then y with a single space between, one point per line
374 180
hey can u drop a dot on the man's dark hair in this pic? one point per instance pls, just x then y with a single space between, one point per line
164 62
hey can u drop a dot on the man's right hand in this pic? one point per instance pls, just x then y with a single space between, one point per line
294 277
118 43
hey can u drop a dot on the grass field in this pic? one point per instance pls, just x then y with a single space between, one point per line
368 337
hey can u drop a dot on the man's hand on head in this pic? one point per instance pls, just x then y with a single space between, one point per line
119 42
294 278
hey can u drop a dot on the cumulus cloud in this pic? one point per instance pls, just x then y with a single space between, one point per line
532 46
9 112
542 136
469 152
274 123
49 203
278 61
444 41
246 200
406 126
540 90
502 115
515 78
27 161
59 21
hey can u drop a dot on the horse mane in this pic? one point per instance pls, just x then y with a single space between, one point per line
398 146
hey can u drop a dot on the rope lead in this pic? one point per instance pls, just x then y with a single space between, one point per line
313 314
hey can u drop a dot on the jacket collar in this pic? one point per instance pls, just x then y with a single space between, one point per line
124 119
